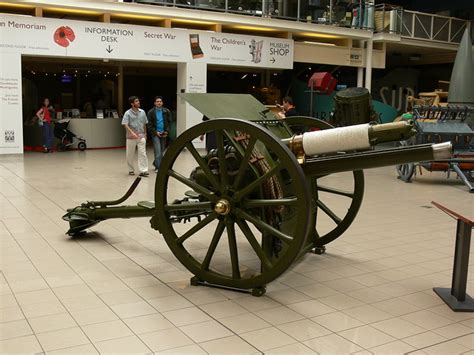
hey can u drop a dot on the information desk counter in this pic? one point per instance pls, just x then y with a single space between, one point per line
99 132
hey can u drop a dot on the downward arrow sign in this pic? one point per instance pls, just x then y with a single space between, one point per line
108 49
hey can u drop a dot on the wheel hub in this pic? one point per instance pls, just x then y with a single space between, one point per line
222 207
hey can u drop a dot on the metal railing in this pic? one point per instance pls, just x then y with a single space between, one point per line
432 27
365 15
419 25
331 12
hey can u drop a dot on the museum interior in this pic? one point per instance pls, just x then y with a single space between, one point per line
236 177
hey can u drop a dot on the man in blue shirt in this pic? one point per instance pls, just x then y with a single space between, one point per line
159 118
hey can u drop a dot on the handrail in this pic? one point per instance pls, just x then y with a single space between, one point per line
321 12
453 214
378 18
432 27
114 202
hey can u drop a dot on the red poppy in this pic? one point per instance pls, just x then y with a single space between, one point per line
63 35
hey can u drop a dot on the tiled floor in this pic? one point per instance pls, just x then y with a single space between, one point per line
119 289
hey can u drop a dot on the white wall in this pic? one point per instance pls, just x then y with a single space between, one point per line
192 78
337 55
11 124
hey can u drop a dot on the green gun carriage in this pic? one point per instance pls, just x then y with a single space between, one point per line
239 215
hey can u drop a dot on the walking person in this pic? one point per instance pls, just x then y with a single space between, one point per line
45 114
135 121
159 120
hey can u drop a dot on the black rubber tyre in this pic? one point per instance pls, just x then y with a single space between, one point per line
82 146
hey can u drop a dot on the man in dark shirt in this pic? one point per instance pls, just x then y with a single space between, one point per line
159 118
289 107
289 110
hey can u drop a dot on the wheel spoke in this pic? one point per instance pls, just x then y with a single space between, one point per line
264 227
196 206
234 256
197 227
335 191
254 243
288 201
212 247
245 162
252 186
192 184
209 175
328 211
222 161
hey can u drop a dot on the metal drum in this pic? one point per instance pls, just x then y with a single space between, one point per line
352 106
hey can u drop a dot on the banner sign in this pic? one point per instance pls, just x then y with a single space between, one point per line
82 39
11 129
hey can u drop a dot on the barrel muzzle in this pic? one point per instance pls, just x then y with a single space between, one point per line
442 151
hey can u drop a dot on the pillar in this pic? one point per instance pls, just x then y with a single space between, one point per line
360 77
368 64
120 103
192 78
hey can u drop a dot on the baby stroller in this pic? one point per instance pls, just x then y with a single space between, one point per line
66 136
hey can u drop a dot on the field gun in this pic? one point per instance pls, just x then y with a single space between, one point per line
269 190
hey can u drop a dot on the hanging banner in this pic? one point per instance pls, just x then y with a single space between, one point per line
81 39
11 129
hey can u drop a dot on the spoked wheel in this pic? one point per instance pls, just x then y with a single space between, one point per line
405 171
252 199
338 196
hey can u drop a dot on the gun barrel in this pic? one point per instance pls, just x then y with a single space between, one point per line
357 137
318 166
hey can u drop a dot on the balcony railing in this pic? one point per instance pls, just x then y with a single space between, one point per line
330 12
365 15
419 25
432 27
